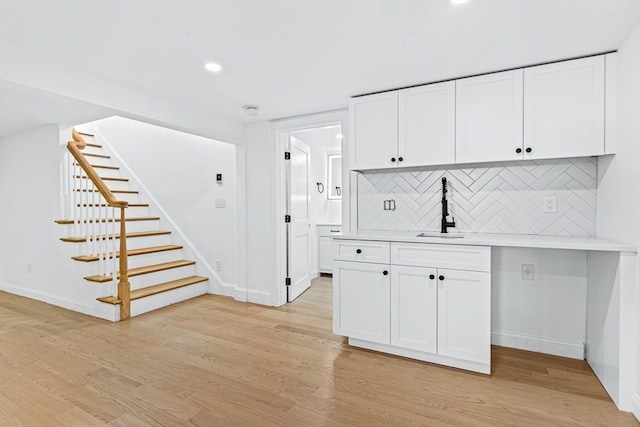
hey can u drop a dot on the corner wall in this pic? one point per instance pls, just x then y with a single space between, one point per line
34 262
179 171
618 208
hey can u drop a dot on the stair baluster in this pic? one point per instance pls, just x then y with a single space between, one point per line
89 224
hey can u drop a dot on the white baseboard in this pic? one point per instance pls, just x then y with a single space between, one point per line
635 405
569 349
100 310
255 296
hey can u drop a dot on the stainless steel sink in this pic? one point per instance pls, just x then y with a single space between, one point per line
442 235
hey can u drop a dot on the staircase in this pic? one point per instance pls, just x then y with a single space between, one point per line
153 268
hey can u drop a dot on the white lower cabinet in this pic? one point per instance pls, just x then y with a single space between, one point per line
464 314
414 308
361 300
440 315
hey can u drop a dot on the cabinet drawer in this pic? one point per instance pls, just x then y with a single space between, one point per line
328 230
361 250
461 257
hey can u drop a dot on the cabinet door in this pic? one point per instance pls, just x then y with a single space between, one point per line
426 133
414 308
564 109
489 117
361 301
464 315
373 131
324 254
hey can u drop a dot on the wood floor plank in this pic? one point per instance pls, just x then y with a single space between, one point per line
215 361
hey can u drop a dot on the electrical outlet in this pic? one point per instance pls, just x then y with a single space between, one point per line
221 202
527 272
218 265
549 204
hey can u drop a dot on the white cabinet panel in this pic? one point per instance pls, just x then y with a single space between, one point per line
464 315
414 308
462 257
373 131
426 133
361 299
324 246
324 254
489 117
564 109
361 250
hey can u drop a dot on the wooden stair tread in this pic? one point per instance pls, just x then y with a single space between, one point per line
130 252
107 178
102 205
110 236
84 190
102 156
147 269
131 218
156 289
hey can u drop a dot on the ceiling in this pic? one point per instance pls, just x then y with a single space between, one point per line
295 57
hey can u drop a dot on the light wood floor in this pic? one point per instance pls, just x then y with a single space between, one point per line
212 361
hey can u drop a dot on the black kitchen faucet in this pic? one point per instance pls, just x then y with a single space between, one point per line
445 209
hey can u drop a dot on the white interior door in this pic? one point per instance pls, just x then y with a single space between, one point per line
299 260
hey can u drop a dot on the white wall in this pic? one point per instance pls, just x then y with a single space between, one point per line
260 181
34 262
619 219
546 314
179 170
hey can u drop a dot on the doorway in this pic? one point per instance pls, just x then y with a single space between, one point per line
312 196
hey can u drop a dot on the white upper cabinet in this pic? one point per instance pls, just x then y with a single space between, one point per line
548 111
373 131
489 117
426 133
564 109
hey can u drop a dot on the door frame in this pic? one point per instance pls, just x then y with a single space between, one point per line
280 130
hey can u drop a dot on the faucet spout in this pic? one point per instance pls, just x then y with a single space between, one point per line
444 224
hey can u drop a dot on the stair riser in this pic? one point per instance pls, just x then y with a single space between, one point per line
146 280
148 241
154 302
107 173
132 226
83 197
92 150
131 211
113 185
154 258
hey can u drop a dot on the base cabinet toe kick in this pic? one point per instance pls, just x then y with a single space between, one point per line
430 302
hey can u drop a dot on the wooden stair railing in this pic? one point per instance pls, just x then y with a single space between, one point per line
124 293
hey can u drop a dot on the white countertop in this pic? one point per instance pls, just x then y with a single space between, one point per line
506 240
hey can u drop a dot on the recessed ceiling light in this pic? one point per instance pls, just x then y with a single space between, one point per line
213 67
339 136
459 1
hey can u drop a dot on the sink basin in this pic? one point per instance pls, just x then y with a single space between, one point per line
442 235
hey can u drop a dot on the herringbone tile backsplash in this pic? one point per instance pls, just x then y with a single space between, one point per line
484 198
